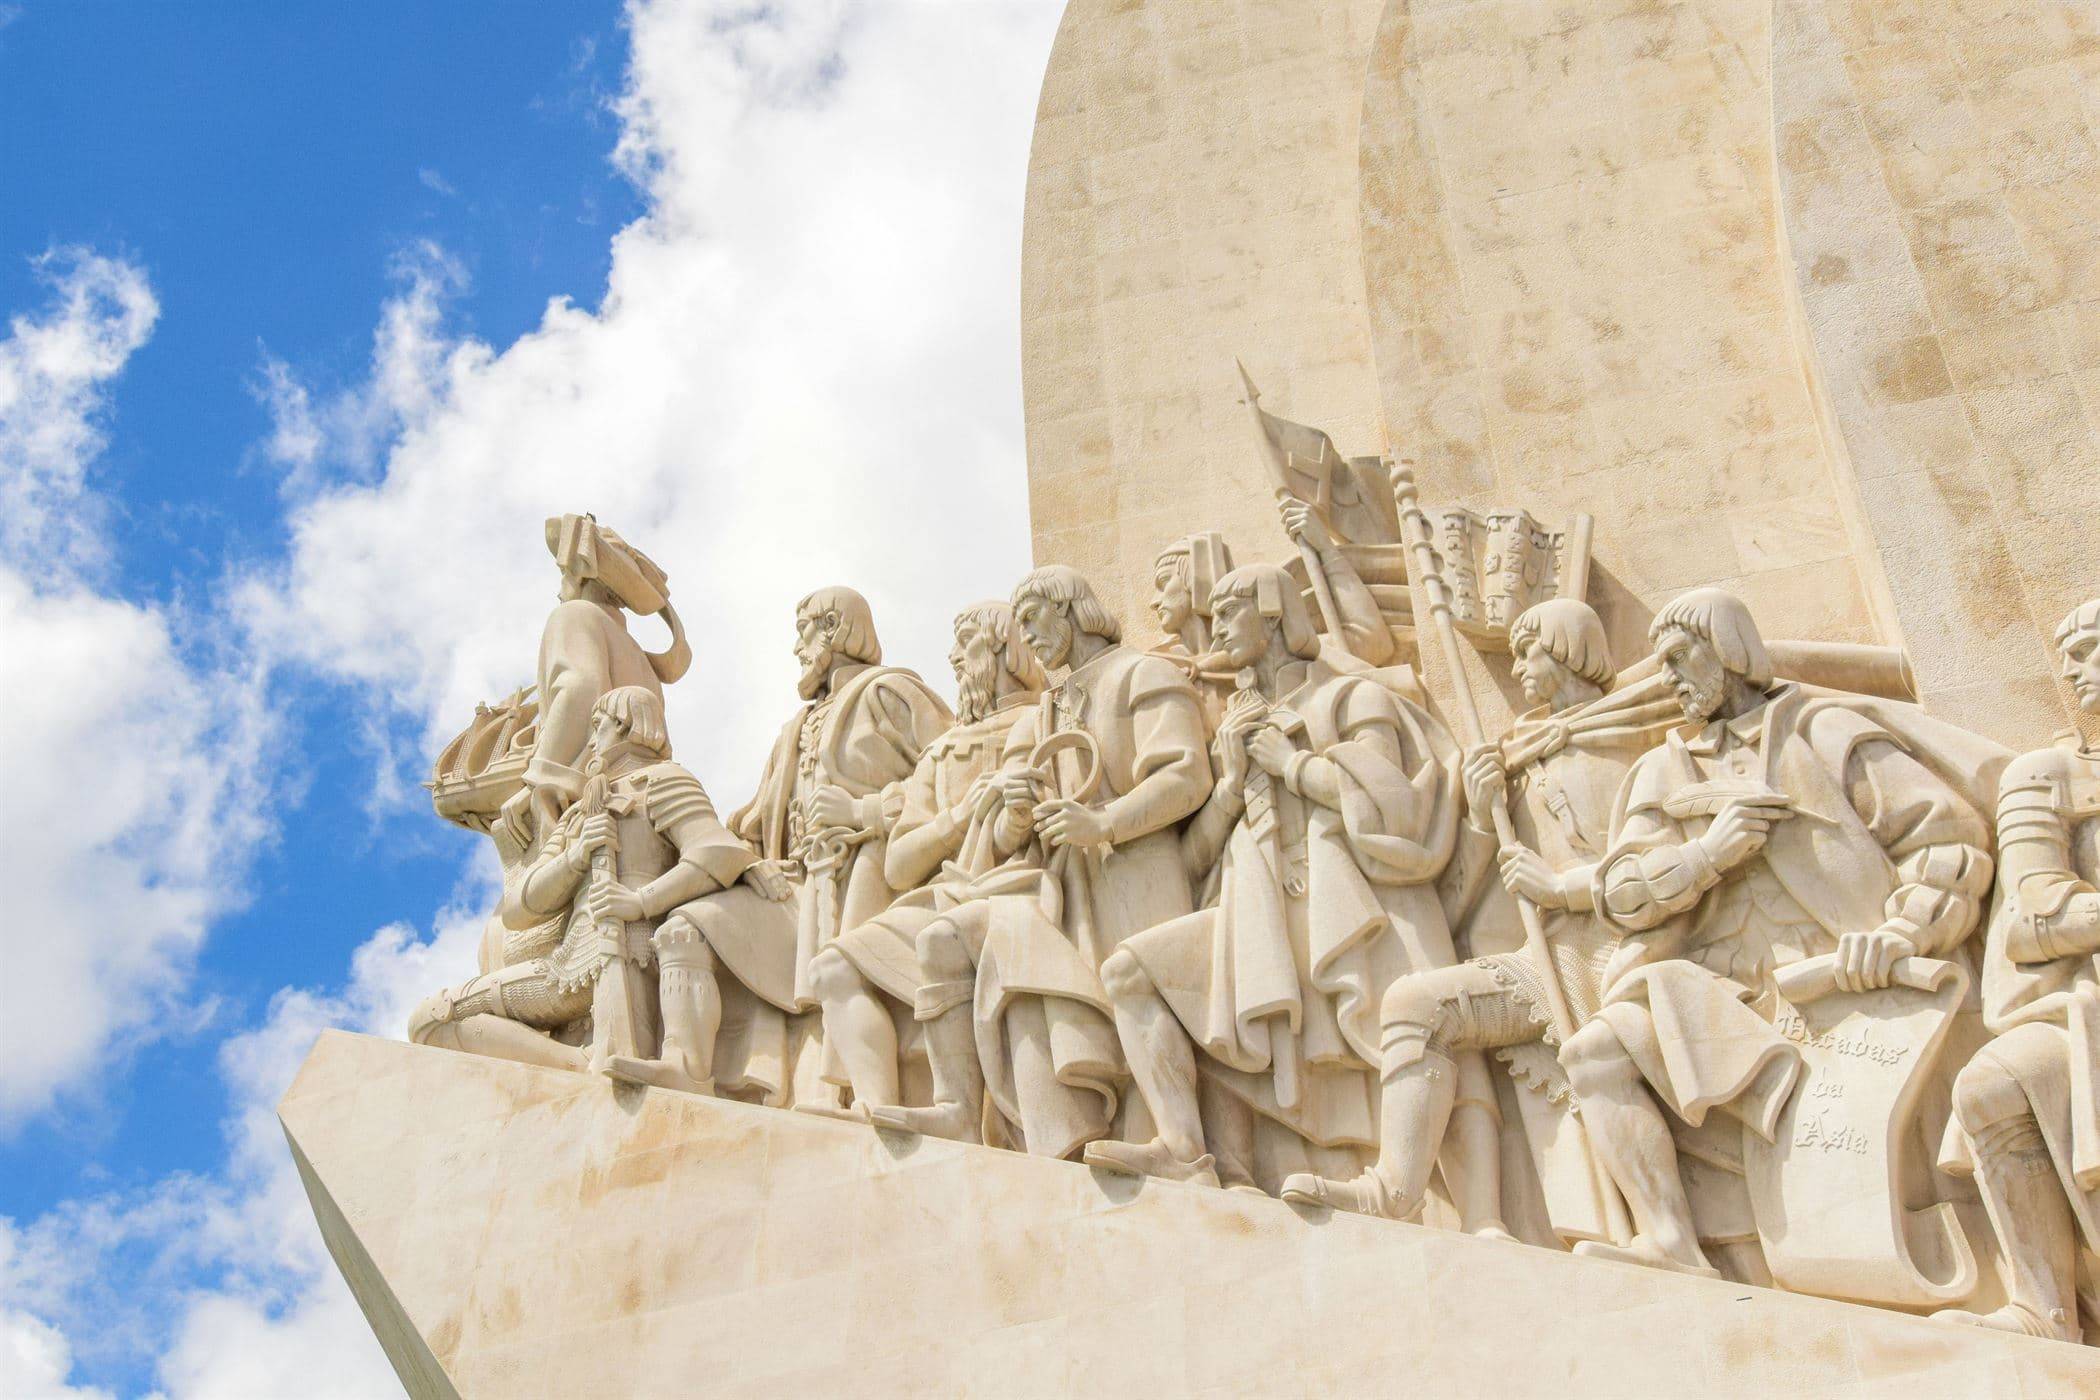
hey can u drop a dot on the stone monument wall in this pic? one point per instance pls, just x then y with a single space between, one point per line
1793 298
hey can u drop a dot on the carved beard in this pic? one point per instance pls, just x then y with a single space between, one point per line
815 671
1704 701
977 686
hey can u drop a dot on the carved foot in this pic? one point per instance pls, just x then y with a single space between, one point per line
827 1108
953 1121
657 1074
1150 1159
1491 1230
2018 1318
1366 1195
1646 1254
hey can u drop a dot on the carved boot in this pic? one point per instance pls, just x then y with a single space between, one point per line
1421 1084
957 1112
692 1013
2025 1201
1647 1254
1150 1159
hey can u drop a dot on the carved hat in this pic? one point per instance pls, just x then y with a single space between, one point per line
1569 631
1209 559
587 550
2083 618
1274 595
1723 620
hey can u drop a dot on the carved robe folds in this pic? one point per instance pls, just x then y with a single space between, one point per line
1039 1002
932 839
865 734
1320 909
1885 833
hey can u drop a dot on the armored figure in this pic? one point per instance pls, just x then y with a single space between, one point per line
1786 837
1336 808
2027 1107
642 840
938 848
1563 775
1010 987
817 824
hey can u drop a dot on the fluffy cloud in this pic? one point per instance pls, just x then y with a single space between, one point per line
135 814
803 371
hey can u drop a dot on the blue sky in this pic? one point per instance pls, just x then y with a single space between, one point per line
311 314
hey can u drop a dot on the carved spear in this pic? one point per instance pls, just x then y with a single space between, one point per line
1429 584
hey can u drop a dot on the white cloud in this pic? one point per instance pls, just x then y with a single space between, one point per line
54 372
35 1357
804 370
127 784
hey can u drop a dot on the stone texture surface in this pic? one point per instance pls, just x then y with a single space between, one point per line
1191 198
1795 299
546 1233
1941 173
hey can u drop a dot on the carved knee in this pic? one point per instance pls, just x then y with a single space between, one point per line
1595 1060
1123 977
1987 1093
832 975
943 956
430 1016
680 943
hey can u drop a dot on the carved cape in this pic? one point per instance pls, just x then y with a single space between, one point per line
1319 911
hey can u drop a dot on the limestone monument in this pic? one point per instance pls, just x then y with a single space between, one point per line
1557 909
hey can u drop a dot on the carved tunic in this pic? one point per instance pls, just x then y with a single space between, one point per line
1320 909
1877 839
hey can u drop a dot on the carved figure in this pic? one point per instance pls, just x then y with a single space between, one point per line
940 835
586 650
1562 774
817 824
2027 1107
1336 808
1789 846
1010 984
643 839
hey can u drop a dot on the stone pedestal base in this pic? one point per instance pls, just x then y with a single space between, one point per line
513 1231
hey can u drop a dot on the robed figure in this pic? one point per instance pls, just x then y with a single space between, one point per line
817 824
1336 809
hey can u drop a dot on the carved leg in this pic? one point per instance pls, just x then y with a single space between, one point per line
505 1040
2026 1205
1633 1144
692 1010
1434 1025
943 1006
1163 1062
1471 1157
858 1028
1228 1131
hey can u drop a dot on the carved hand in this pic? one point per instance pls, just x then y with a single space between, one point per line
770 881
1739 832
1063 822
1270 749
984 798
612 900
1303 525
1232 748
1487 783
833 806
1867 960
1018 790
596 831
1526 874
